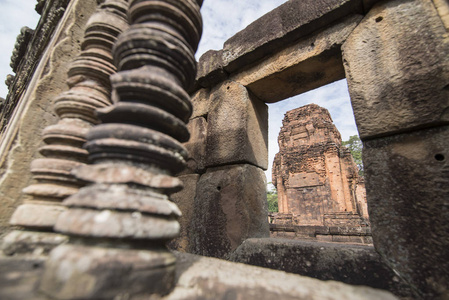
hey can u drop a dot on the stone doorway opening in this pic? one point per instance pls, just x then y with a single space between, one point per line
316 183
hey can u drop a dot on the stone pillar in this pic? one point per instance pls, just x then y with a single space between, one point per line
231 156
89 89
397 66
119 224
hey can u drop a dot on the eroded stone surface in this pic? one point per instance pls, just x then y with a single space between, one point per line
29 242
19 277
210 279
237 127
283 25
101 273
398 69
230 206
196 147
407 180
351 264
197 277
308 64
185 201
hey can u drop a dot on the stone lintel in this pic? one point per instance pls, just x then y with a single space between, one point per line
273 31
308 64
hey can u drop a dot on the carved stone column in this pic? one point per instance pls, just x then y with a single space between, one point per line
120 223
89 89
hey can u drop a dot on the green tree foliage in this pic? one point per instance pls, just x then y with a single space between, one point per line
355 146
272 198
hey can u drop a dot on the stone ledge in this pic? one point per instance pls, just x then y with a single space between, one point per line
202 278
351 264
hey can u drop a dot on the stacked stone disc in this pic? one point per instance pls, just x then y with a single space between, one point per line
120 223
89 89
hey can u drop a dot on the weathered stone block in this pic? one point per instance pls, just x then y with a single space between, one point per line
26 242
397 68
210 279
237 128
230 206
19 277
37 215
185 202
287 23
197 278
407 183
196 146
210 69
307 64
79 272
200 103
352 264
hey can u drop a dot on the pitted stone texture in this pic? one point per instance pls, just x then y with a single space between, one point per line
185 201
397 68
442 7
308 64
197 278
237 128
19 277
26 242
196 146
201 103
351 264
407 190
102 273
210 279
230 206
211 68
37 215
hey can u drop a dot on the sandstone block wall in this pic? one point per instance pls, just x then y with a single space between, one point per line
225 187
397 66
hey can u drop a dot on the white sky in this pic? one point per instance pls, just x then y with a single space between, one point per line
222 19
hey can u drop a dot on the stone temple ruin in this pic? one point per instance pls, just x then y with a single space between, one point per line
320 193
111 86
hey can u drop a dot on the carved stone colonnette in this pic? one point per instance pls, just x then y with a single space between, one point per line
41 76
89 89
118 225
